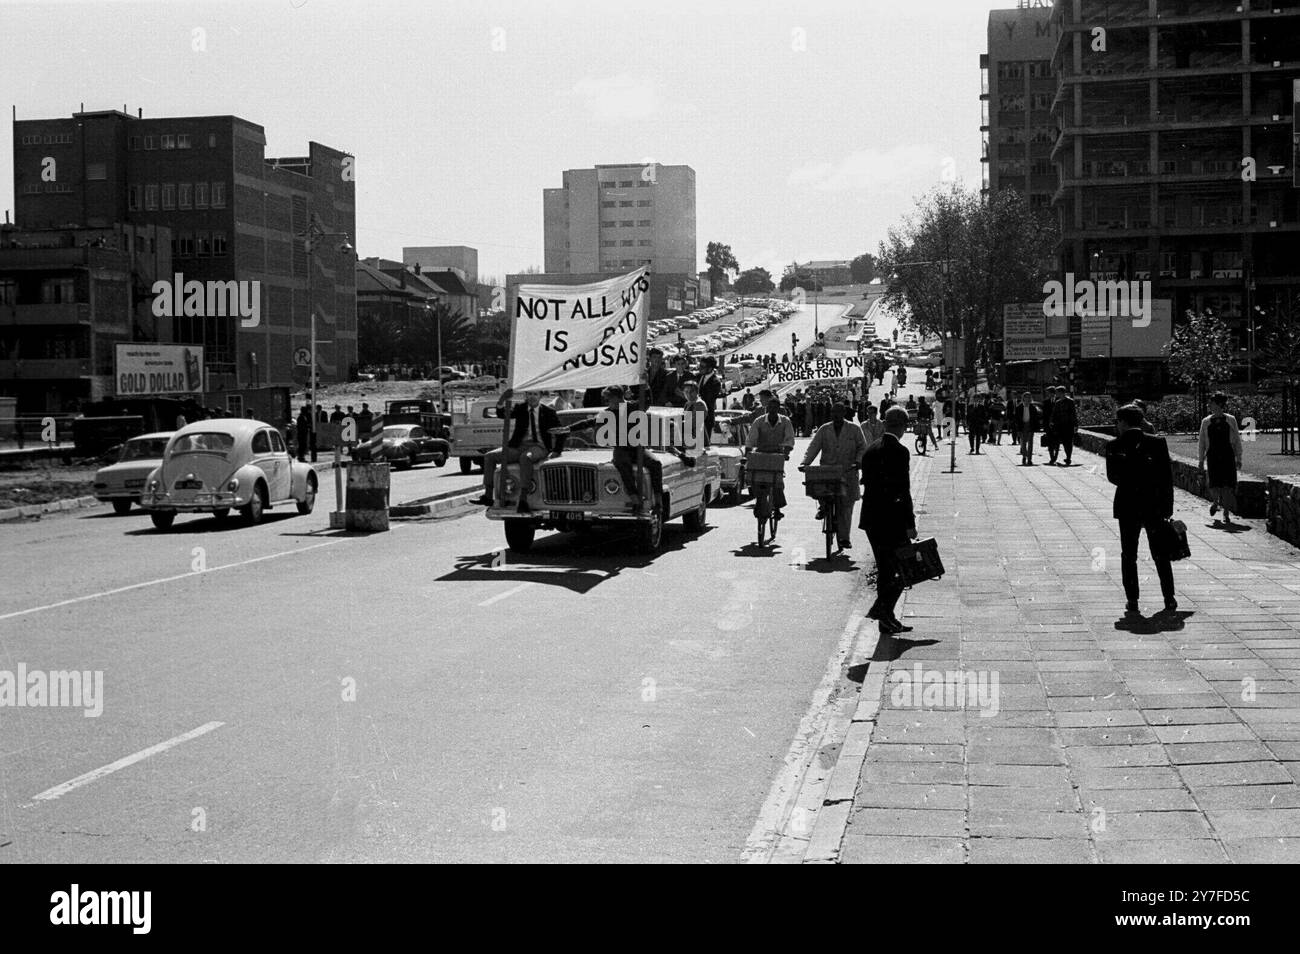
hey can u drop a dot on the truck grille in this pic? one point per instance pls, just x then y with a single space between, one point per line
569 484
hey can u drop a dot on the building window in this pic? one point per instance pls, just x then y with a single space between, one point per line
626 184
626 243
133 198
186 247
150 198
626 223
149 142
183 195
1013 103
8 291
58 291
218 195
1042 102
643 203
1011 70
182 141
204 243
218 243
644 183
168 196
212 140
200 195
169 142
607 224
643 222
607 205
609 243
625 204
135 143
643 242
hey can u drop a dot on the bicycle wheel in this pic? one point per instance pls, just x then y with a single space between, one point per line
828 524
762 509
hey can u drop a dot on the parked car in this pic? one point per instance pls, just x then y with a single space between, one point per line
404 445
226 464
933 359
728 443
122 483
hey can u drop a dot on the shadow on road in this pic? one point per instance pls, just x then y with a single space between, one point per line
889 648
210 524
1228 527
1151 625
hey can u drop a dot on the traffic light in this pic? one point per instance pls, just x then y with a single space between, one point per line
794 341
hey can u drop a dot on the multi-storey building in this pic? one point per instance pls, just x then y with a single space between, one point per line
615 217
1016 93
234 215
67 298
1175 150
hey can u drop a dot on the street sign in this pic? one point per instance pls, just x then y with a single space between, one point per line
302 358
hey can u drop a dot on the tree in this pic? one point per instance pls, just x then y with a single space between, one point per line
957 260
378 339
794 277
1200 353
720 261
863 268
1279 336
754 280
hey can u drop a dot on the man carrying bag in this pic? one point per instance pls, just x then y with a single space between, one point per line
887 515
1138 465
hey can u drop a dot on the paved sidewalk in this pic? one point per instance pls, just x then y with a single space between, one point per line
1160 741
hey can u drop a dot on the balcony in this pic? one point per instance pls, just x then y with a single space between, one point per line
72 313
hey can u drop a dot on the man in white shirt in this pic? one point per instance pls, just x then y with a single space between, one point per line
773 434
841 444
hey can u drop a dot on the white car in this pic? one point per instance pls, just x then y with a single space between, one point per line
122 483
226 464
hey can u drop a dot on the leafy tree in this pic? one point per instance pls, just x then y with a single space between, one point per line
753 281
974 256
378 339
720 261
1278 340
863 268
1200 353
795 277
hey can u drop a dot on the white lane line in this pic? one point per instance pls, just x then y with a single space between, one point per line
510 592
52 793
166 579
766 834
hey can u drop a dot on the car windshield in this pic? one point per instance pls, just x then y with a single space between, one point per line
212 442
396 432
144 449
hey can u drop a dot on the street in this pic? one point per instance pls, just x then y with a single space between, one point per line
582 704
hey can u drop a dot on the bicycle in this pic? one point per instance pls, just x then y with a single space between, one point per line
825 485
763 471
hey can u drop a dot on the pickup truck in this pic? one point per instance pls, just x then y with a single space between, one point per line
579 489
475 431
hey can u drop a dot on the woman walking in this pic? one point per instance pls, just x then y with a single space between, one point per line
1220 449
925 424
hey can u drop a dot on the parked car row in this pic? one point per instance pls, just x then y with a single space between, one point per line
725 337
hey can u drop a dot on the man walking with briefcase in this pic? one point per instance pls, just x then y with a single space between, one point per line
887 515
1138 465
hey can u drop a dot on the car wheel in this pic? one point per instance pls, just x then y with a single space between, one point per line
466 465
252 511
121 506
440 461
650 535
309 500
519 535
412 460
162 519
698 518
221 513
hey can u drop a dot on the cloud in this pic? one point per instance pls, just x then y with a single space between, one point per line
617 98
870 169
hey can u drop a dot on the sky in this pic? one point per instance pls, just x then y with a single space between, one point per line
811 126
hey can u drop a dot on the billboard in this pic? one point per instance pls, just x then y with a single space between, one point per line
1029 335
149 370
1149 341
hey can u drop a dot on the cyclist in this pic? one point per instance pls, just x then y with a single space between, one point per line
773 434
840 443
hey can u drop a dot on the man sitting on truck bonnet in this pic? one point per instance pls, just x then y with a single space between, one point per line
530 443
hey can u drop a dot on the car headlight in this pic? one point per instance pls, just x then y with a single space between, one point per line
612 486
511 486
153 484
233 485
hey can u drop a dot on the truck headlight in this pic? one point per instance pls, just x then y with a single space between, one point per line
511 486
612 486
153 484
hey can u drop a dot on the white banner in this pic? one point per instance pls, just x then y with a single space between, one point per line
819 369
580 336
150 369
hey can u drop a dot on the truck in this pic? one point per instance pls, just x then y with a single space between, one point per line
578 489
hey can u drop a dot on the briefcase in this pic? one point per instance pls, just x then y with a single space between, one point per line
918 562
1175 542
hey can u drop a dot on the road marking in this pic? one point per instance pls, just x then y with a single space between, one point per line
510 592
58 790
166 579
767 831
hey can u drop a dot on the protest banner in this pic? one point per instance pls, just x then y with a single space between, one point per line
820 369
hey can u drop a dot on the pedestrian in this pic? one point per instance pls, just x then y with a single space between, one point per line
841 444
710 388
656 378
1049 431
304 431
997 410
901 377
1028 415
887 515
747 402
1220 449
337 416
891 384
1138 465
977 424
364 421
1065 421
873 428
925 424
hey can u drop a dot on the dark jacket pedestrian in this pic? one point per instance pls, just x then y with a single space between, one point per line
1138 465
1065 421
303 431
1028 418
1219 454
977 425
887 513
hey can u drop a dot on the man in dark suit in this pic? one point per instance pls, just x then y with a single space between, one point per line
1028 419
530 443
1049 431
657 379
710 388
674 381
1138 465
1065 421
887 515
